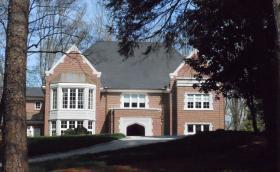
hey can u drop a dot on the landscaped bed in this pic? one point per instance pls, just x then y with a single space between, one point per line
213 151
44 145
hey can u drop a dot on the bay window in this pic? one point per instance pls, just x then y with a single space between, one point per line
134 101
198 102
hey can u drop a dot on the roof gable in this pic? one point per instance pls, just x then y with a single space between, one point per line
73 50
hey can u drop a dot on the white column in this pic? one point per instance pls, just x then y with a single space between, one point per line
93 127
32 131
85 124
59 98
50 128
58 129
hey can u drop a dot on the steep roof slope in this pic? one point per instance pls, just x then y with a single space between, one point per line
141 71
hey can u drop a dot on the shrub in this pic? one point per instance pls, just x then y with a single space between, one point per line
76 131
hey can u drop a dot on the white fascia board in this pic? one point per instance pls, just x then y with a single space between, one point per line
73 48
175 73
134 91
187 82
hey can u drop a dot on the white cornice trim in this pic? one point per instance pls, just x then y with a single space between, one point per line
134 90
73 48
188 82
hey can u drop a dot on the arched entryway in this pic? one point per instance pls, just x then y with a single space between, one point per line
135 130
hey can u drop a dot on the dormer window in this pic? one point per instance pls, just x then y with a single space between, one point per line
134 101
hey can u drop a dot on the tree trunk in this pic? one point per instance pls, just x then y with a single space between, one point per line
272 89
14 137
252 108
235 113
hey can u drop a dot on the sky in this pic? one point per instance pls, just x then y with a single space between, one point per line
33 80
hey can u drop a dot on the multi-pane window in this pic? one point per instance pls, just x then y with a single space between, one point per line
53 128
142 101
65 98
196 128
80 98
54 98
89 125
79 124
63 124
38 105
72 98
197 101
126 100
71 124
90 99
134 101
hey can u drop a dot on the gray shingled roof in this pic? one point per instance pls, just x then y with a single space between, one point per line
30 92
142 71
34 92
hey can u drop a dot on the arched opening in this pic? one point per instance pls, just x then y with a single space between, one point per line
135 130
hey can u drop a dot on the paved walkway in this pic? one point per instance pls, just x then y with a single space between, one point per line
126 142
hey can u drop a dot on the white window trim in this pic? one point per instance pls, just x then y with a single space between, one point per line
40 105
195 93
194 129
146 101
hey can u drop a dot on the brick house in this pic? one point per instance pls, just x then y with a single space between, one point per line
147 94
34 110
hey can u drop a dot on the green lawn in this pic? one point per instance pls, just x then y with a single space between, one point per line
213 151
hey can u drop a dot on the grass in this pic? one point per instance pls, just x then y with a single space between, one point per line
213 151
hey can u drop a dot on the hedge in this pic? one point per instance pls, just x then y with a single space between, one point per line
44 145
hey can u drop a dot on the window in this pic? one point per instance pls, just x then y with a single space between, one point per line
38 105
89 125
134 101
71 124
53 128
197 101
65 98
80 124
90 99
73 98
196 128
80 98
54 98
142 101
63 124
126 101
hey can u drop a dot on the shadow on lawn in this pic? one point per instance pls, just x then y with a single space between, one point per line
213 151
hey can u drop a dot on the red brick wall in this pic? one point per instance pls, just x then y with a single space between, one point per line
215 116
30 109
74 62
113 100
